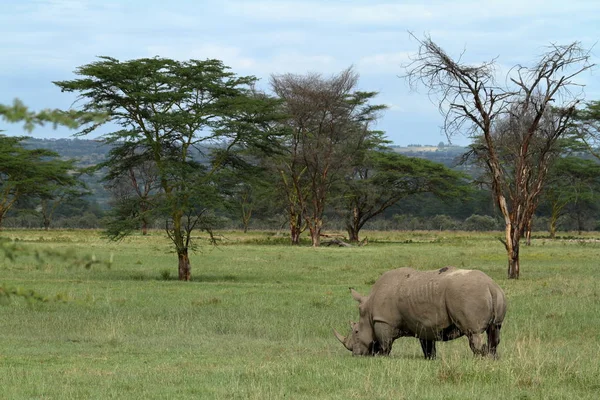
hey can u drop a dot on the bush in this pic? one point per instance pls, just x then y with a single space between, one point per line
444 223
481 223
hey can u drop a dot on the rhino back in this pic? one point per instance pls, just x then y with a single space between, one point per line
411 301
473 300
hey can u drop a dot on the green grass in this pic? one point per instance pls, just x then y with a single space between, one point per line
255 322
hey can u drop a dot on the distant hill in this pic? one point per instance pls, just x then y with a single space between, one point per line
87 153
91 152
448 155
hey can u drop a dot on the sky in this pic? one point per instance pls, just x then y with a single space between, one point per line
46 40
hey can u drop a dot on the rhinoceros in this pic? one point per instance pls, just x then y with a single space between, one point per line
432 306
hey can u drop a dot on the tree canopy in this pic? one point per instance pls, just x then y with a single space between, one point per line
169 112
328 125
30 173
384 178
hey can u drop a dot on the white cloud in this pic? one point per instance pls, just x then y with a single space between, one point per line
384 62
342 12
373 12
297 62
230 55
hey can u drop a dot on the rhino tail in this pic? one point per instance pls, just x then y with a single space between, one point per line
498 304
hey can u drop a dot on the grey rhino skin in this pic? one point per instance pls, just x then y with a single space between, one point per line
443 304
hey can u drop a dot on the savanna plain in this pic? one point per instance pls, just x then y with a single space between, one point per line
256 320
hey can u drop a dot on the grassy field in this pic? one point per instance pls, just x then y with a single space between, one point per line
255 322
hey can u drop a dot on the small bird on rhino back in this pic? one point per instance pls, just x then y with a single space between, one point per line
432 306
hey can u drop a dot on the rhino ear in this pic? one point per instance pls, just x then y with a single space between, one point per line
357 296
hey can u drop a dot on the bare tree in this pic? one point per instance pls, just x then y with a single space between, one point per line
516 126
328 121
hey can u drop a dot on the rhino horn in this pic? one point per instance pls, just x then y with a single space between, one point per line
357 296
342 339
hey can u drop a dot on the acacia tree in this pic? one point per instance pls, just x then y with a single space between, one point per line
587 127
328 124
70 187
534 109
31 173
171 111
382 179
571 181
38 172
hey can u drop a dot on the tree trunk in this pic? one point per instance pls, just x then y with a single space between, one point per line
353 226
315 225
528 232
144 227
315 236
513 265
554 215
245 220
180 240
512 235
295 229
352 233
580 220
185 269
512 248
295 237
553 227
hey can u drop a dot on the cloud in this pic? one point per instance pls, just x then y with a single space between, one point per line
278 62
357 12
230 55
337 12
384 62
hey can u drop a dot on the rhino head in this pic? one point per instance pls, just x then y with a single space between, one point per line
360 341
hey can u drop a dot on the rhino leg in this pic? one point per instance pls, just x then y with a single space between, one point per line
385 336
476 344
493 335
428 347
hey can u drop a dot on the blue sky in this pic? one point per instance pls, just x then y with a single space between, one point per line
45 40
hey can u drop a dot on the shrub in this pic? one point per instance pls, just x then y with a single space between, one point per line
481 223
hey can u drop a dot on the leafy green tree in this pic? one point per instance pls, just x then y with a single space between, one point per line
44 174
18 112
587 128
328 125
59 193
36 173
573 182
384 178
170 111
249 191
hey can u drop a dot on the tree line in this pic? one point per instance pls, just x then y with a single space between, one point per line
193 139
